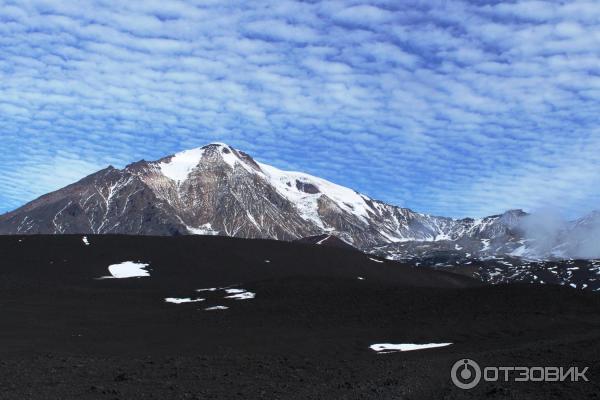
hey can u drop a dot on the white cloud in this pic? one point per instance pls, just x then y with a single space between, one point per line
449 108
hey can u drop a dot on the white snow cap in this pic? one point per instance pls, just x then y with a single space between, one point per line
285 182
181 164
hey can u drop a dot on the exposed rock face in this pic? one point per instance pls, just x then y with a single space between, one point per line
219 190
109 201
215 189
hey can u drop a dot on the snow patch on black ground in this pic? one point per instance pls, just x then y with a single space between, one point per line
243 295
128 269
216 308
177 300
385 348
306 335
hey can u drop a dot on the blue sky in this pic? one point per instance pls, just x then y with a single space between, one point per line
448 107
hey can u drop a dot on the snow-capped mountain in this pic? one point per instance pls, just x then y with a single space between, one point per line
219 190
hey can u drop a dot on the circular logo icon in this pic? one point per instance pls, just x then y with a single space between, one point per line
465 374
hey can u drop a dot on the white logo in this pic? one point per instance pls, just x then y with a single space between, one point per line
465 374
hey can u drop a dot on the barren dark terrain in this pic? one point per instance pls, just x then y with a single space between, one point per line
67 335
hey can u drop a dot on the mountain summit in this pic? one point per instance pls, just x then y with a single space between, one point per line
219 190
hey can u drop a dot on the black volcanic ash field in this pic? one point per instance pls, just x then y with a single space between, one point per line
304 335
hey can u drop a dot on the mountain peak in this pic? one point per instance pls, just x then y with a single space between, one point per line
217 145
179 165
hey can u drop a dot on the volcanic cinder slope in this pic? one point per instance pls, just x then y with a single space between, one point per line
301 324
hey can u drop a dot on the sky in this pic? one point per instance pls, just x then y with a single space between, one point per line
447 107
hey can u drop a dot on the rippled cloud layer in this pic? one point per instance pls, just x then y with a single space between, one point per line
452 108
